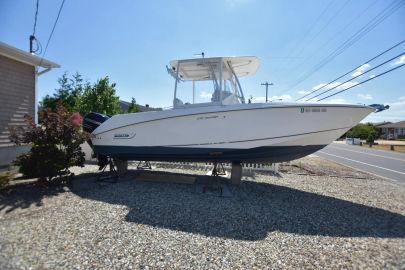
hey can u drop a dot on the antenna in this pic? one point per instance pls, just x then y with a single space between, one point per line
267 89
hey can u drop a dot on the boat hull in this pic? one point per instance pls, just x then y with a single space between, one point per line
258 154
244 133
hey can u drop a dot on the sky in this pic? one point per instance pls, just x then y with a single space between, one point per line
132 42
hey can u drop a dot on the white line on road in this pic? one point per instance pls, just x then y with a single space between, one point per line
368 172
361 152
362 162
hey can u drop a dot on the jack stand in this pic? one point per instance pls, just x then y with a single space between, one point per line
144 165
218 169
213 182
112 176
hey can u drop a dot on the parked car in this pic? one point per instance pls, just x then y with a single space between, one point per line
354 141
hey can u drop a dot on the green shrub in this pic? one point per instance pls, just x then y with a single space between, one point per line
371 137
363 131
55 144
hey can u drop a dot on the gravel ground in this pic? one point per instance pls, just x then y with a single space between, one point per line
319 215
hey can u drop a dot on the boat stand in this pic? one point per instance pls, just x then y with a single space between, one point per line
213 183
111 176
218 169
144 165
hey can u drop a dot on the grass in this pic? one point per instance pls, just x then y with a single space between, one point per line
5 178
397 148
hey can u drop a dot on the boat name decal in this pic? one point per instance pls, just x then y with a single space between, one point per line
209 117
124 135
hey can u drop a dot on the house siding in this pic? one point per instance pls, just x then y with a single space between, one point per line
17 96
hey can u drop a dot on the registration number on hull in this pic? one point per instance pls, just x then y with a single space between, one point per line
316 109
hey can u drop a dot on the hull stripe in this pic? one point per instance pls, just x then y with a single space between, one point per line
241 141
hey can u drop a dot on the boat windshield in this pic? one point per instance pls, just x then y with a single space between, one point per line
208 81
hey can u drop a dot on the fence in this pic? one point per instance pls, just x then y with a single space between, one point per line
258 167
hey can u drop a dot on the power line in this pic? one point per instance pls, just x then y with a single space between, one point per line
321 47
353 39
385 72
53 29
324 27
35 20
366 62
309 31
388 11
32 38
385 62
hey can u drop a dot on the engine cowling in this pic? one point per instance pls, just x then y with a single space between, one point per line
92 120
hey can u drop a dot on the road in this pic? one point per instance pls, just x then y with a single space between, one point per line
386 164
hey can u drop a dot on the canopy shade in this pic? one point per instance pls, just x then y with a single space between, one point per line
204 68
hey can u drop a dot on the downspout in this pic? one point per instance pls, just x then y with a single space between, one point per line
43 71
36 90
36 96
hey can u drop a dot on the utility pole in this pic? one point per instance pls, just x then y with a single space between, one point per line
267 89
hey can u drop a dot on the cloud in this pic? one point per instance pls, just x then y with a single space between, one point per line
395 113
304 92
259 99
360 70
400 61
333 85
372 76
273 98
336 101
316 87
205 94
399 103
347 85
365 96
282 97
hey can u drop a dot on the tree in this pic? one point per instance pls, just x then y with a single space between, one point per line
79 96
133 107
68 94
55 144
362 131
100 98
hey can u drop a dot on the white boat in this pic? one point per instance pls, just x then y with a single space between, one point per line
226 128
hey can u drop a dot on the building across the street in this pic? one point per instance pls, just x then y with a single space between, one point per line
377 124
19 71
392 131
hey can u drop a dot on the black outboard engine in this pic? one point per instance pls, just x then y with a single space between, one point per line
92 120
